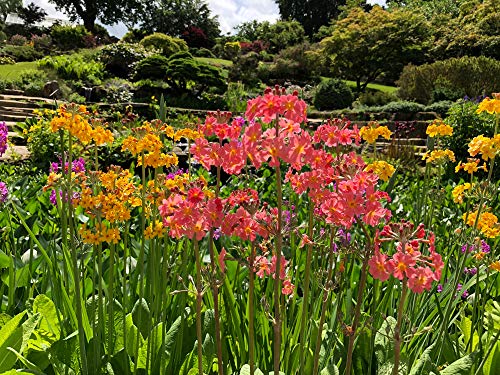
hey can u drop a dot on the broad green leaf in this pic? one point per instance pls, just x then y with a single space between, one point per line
208 353
424 364
11 335
384 346
26 362
5 260
155 346
492 363
4 318
330 370
172 333
141 317
48 312
245 370
461 366
132 335
14 372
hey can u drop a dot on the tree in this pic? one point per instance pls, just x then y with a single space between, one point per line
174 17
8 6
108 12
31 14
365 45
312 14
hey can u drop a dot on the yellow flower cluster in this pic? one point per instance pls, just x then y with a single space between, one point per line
156 229
373 130
495 266
439 129
99 234
116 198
459 191
75 119
158 159
471 166
490 105
487 223
381 168
438 156
187 133
487 147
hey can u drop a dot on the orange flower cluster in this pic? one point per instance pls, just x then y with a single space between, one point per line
487 223
147 144
439 129
373 130
99 234
490 105
459 191
471 166
438 156
381 168
75 119
487 147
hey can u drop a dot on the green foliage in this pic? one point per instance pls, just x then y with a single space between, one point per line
311 15
245 69
375 98
456 77
21 53
69 37
174 17
235 97
7 60
117 90
75 67
299 63
120 59
364 45
332 94
402 107
165 43
231 50
152 67
31 14
466 125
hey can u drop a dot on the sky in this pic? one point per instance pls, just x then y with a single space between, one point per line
230 13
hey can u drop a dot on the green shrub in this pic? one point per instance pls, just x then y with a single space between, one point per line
118 90
133 36
21 53
152 67
449 79
69 37
402 106
165 43
332 94
201 52
246 69
75 67
375 98
31 82
7 60
18 40
236 97
441 107
120 59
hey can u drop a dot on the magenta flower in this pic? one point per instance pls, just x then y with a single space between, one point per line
3 137
3 192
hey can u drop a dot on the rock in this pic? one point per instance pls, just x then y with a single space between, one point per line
52 90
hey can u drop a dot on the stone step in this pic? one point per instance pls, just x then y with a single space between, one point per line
16 111
18 103
30 99
13 118
14 153
16 138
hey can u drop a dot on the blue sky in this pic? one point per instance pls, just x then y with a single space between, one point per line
230 12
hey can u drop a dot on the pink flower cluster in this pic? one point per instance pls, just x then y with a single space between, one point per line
3 137
407 263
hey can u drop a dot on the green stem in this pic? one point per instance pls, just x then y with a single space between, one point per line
397 331
305 299
199 296
277 291
251 312
326 298
111 300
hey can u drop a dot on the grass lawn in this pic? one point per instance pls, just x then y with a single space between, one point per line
374 86
220 63
11 72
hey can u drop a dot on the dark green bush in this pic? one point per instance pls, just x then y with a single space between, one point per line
69 37
152 67
21 53
75 67
402 107
201 52
441 108
375 98
246 69
450 79
120 59
332 94
165 43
